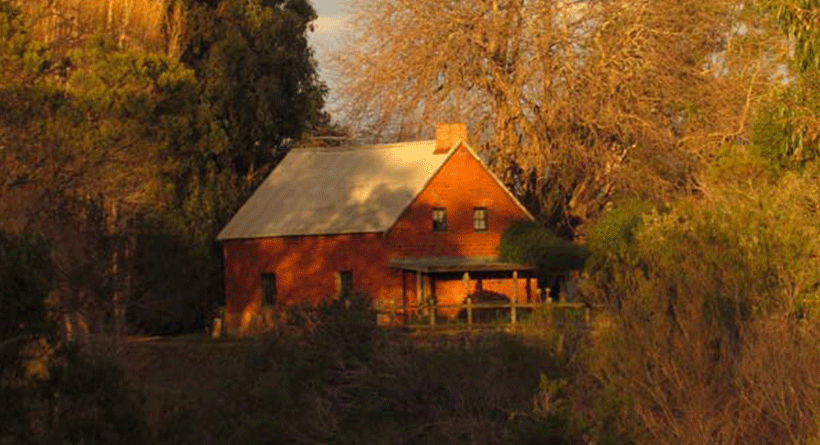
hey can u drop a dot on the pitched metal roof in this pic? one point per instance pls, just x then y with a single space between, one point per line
323 191
316 191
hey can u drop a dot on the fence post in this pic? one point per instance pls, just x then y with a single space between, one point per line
392 312
513 307
513 312
432 305
419 292
469 311
548 303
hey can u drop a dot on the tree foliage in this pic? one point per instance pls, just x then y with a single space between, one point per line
82 144
611 243
800 20
787 130
787 127
258 85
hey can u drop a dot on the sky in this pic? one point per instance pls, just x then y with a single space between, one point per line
325 39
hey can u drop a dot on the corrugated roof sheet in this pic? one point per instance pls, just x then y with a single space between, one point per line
318 191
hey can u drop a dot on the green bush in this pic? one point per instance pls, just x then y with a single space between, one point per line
613 236
528 242
612 246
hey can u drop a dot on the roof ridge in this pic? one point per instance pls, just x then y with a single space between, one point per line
364 146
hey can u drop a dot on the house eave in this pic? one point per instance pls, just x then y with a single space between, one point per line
297 235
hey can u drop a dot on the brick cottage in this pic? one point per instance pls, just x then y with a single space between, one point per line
402 223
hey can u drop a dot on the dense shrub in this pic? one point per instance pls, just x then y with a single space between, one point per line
611 243
531 243
712 341
66 397
478 393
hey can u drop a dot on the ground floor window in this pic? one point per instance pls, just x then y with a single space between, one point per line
268 289
345 283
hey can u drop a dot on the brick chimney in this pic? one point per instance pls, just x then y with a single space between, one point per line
447 135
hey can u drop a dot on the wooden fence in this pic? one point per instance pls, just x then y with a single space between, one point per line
428 314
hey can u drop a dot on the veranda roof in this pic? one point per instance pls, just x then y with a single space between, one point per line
456 264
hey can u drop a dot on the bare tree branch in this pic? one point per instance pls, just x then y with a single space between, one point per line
560 88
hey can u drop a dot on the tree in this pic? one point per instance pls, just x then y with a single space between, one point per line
787 128
582 102
258 84
49 390
256 92
26 276
81 132
107 140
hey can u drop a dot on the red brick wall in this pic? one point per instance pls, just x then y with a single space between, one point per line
306 266
306 270
459 186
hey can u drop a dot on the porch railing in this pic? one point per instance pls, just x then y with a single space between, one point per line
428 314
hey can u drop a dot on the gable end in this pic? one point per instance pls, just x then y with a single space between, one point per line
459 144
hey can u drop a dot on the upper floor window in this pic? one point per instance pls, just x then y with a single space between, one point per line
439 219
480 219
268 289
